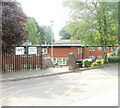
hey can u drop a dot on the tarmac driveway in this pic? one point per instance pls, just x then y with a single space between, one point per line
96 87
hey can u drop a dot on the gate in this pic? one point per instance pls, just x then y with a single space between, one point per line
23 58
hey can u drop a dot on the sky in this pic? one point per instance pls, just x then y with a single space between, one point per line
45 11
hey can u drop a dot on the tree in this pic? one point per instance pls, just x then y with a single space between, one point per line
13 25
41 31
64 35
32 31
38 34
94 22
48 34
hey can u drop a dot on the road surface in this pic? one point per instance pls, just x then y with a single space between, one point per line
96 87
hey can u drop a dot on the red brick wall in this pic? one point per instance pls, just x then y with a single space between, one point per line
85 52
63 52
97 52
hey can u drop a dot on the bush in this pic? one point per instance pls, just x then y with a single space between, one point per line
110 55
98 63
115 59
86 63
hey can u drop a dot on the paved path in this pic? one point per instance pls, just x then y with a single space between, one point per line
32 73
13 76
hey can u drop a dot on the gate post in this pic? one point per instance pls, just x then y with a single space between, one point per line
71 61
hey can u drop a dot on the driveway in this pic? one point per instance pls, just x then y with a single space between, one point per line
96 87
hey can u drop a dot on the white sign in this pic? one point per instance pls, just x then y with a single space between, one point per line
19 50
32 50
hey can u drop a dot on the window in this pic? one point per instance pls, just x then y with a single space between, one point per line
92 57
99 48
79 50
54 60
44 51
64 61
99 57
108 49
92 48
60 61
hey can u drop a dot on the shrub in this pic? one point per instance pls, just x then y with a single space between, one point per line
95 64
86 63
98 63
110 55
102 61
115 59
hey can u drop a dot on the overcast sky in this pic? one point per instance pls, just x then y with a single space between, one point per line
45 11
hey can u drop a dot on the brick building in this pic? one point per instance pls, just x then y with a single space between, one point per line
31 57
60 49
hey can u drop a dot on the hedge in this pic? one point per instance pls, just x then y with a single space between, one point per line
115 59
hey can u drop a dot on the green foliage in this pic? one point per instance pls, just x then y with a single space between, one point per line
64 35
110 55
95 23
38 34
32 31
98 63
13 25
95 64
115 59
48 34
41 31
86 63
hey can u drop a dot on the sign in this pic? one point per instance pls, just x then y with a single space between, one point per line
20 50
32 50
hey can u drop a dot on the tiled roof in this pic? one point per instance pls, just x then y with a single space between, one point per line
68 42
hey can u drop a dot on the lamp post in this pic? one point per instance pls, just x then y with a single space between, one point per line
40 52
52 40
40 56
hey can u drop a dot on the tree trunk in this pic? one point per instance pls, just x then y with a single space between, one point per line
105 54
114 48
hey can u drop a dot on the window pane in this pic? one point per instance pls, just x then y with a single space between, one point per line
64 61
79 50
99 57
92 57
92 49
44 51
54 60
59 61
99 48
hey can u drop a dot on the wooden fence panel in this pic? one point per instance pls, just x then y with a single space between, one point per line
12 62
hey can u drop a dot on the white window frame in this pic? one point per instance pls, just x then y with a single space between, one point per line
99 48
92 57
62 60
44 50
79 50
92 49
